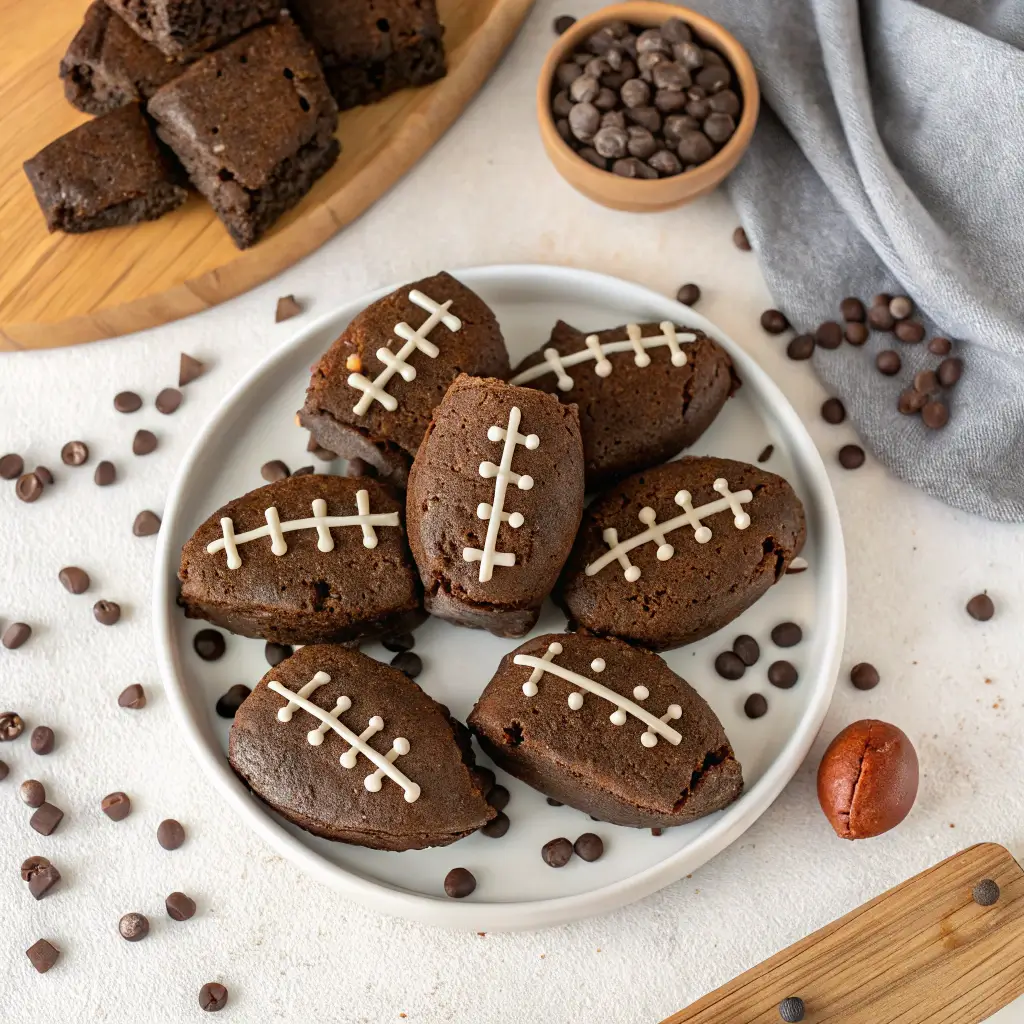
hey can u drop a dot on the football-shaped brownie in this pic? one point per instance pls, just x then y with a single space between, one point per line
674 553
609 729
644 391
305 560
353 750
495 497
372 393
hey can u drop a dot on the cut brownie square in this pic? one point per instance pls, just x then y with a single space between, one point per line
253 123
371 48
108 65
105 173
183 28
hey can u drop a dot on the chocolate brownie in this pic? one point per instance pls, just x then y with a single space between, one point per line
253 124
318 583
385 766
361 406
180 28
104 173
371 48
108 65
644 391
608 729
495 497
674 553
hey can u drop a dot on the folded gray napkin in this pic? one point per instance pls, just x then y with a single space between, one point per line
891 160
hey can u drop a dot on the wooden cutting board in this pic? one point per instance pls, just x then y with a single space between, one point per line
65 289
922 952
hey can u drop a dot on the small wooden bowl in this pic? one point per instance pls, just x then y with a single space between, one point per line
637 195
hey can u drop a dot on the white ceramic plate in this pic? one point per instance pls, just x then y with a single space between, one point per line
515 888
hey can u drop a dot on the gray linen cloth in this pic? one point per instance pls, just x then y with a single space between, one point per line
892 160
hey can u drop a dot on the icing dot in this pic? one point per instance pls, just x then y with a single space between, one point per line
641 692
720 484
285 714
617 717
529 689
412 794
665 552
495 434
372 784
525 483
369 542
483 510
632 574
648 739
675 711
315 737
555 648
682 497
565 384
532 442
702 535
377 723
742 521
647 515
515 520
575 701
598 665
401 744
642 359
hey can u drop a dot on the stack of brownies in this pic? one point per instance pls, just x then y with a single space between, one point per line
233 94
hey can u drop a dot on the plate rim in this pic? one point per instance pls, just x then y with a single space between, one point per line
513 915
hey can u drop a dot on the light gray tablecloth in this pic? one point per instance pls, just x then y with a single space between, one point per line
891 160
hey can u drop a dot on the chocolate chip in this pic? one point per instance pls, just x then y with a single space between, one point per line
791 1009
459 883
766 453
31 865
940 346
695 148
553 802
856 333
127 401
15 635
42 881
73 579
497 826
901 306
880 318
632 167
398 643
584 121
589 847
106 613
105 474
747 649
787 634
882 299
592 156
852 310
498 797
851 456
833 411
584 89
910 332
719 128
782 674
144 442
32 793
287 307
800 347
755 706
11 466
29 487
657 831
557 852
168 400
132 697
740 240
46 819
911 401
116 806
74 453
407 662
189 369
42 955
231 700
829 335
170 834
485 779
888 362
179 906
985 893
980 607
11 726
276 653
4 770
304 471
146 524
133 927
44 476
688 294
730 665
42 740
774 321
935 415
864 676
950 371
209 644
563 23
926 381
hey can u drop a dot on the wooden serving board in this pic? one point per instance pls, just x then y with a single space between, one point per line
64 289
922 952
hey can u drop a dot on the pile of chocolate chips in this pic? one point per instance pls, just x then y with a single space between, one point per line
645 103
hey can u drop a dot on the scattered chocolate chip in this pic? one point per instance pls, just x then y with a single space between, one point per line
747 649
829 335
209 644
15 635
146 524
950 371
11 726
729 665
497 826
589 847
755 706
168 400
407 662
116 806
657 831
740 240
106 613
880 318
787 634
189 369
911 401
498 797
304 471
800 347
485 779
552 802
31 865
985 893
833 411
400 642
563 23
42 740
856 333
73 579
901 306
133 927
42 955
940 346
29 487
287 307
127 401
230 701
33 793
557 852
910 332
74 453
170 834
144 442
864 676
766 453
782 674
888 362
179 906
926 381
980 607
274 470
852 310
213 997
851 456
44 475
46 819
935 415
276 653
791 1009
688 294
11 466
42 881
105 474
774 321
459 883
4 770
132 697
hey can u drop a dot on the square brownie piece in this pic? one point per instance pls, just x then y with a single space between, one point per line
183 28
105 173
371 48
253 123
108 65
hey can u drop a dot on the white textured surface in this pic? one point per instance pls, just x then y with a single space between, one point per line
289 950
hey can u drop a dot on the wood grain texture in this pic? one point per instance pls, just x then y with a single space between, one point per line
921 952
64 289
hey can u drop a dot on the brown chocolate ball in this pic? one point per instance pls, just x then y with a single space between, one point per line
867 780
